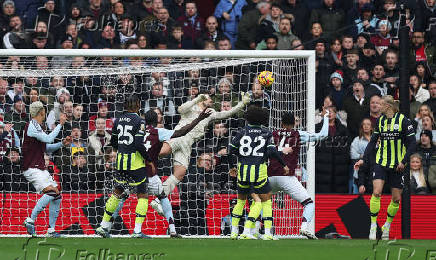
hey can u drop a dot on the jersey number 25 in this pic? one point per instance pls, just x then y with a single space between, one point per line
245 148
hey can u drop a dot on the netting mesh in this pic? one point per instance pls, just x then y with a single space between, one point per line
91 92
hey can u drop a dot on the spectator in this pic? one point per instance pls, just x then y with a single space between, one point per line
300 12
421 94
224 94
330 17
424 110
141 9
11 179
211 33
103 112
431 102
333 158
366 22
99 140
177 41
192 23
5 100
8 10
224 44
230 13
347 43
62 96
248 25
269 23
115 16
108 38
63 62
15 38
314 35
8 138
363 76
284 35
378 80
270 43
426 148
296 44
157 99
350 68
142 41
417 178
425 14
176 8
80 117
148 23
336 89
362 39
357 150
423 72
17 115
428 124
17 88
328 102
258 96
336 52
369 56
96 8
382 39
324 68
356 106
374 109
48 15
422 51
78 177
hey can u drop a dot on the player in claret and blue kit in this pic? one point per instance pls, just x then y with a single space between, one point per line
253 146
288 137
35 144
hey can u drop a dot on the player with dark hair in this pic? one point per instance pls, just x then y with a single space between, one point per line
128 134
397 143
285 138
35 144
253 145
154 139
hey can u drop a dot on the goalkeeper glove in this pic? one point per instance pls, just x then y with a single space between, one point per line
246 99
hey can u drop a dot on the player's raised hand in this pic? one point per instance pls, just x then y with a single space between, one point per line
62 118
327 113
67 141
205 114
246 98
203 97
400 167
358 164
362 189
233 172
286 168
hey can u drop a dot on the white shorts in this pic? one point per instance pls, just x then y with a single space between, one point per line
155 186
40 179
181 148
290 185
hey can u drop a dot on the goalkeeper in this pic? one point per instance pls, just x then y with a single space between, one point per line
181 147
253 145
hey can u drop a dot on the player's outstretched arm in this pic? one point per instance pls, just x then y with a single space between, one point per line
186 107
313 137
35 130
409 142
246 99
114 136
184 130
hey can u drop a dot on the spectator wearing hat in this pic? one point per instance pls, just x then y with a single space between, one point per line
324 68
300 12
74 16
426 148
141 9
102 112
230 13
248 25
362 39
422 51
8 10
366 22
16 37
17 115
337 91
350 68
330 17
192 24
369 56
356 106
382 39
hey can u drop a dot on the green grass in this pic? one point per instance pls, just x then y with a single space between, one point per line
209 249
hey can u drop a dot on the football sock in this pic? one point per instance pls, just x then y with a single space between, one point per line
110 207
118 209
168 212
40 205
54 209
169 184
392 211
141 211
267 216
374 208
237 214
255 209
309 211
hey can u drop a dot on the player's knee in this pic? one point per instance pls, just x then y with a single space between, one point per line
376 194
118 193
396 199
142 195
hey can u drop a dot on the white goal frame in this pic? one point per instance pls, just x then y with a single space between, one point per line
279 54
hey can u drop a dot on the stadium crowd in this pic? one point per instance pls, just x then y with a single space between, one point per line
356 45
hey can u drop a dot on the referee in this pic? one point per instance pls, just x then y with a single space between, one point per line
397 142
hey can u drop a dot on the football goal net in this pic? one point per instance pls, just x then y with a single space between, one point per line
90 86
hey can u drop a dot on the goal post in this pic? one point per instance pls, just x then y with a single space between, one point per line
94 80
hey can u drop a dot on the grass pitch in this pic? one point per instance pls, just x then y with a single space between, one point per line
209 249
